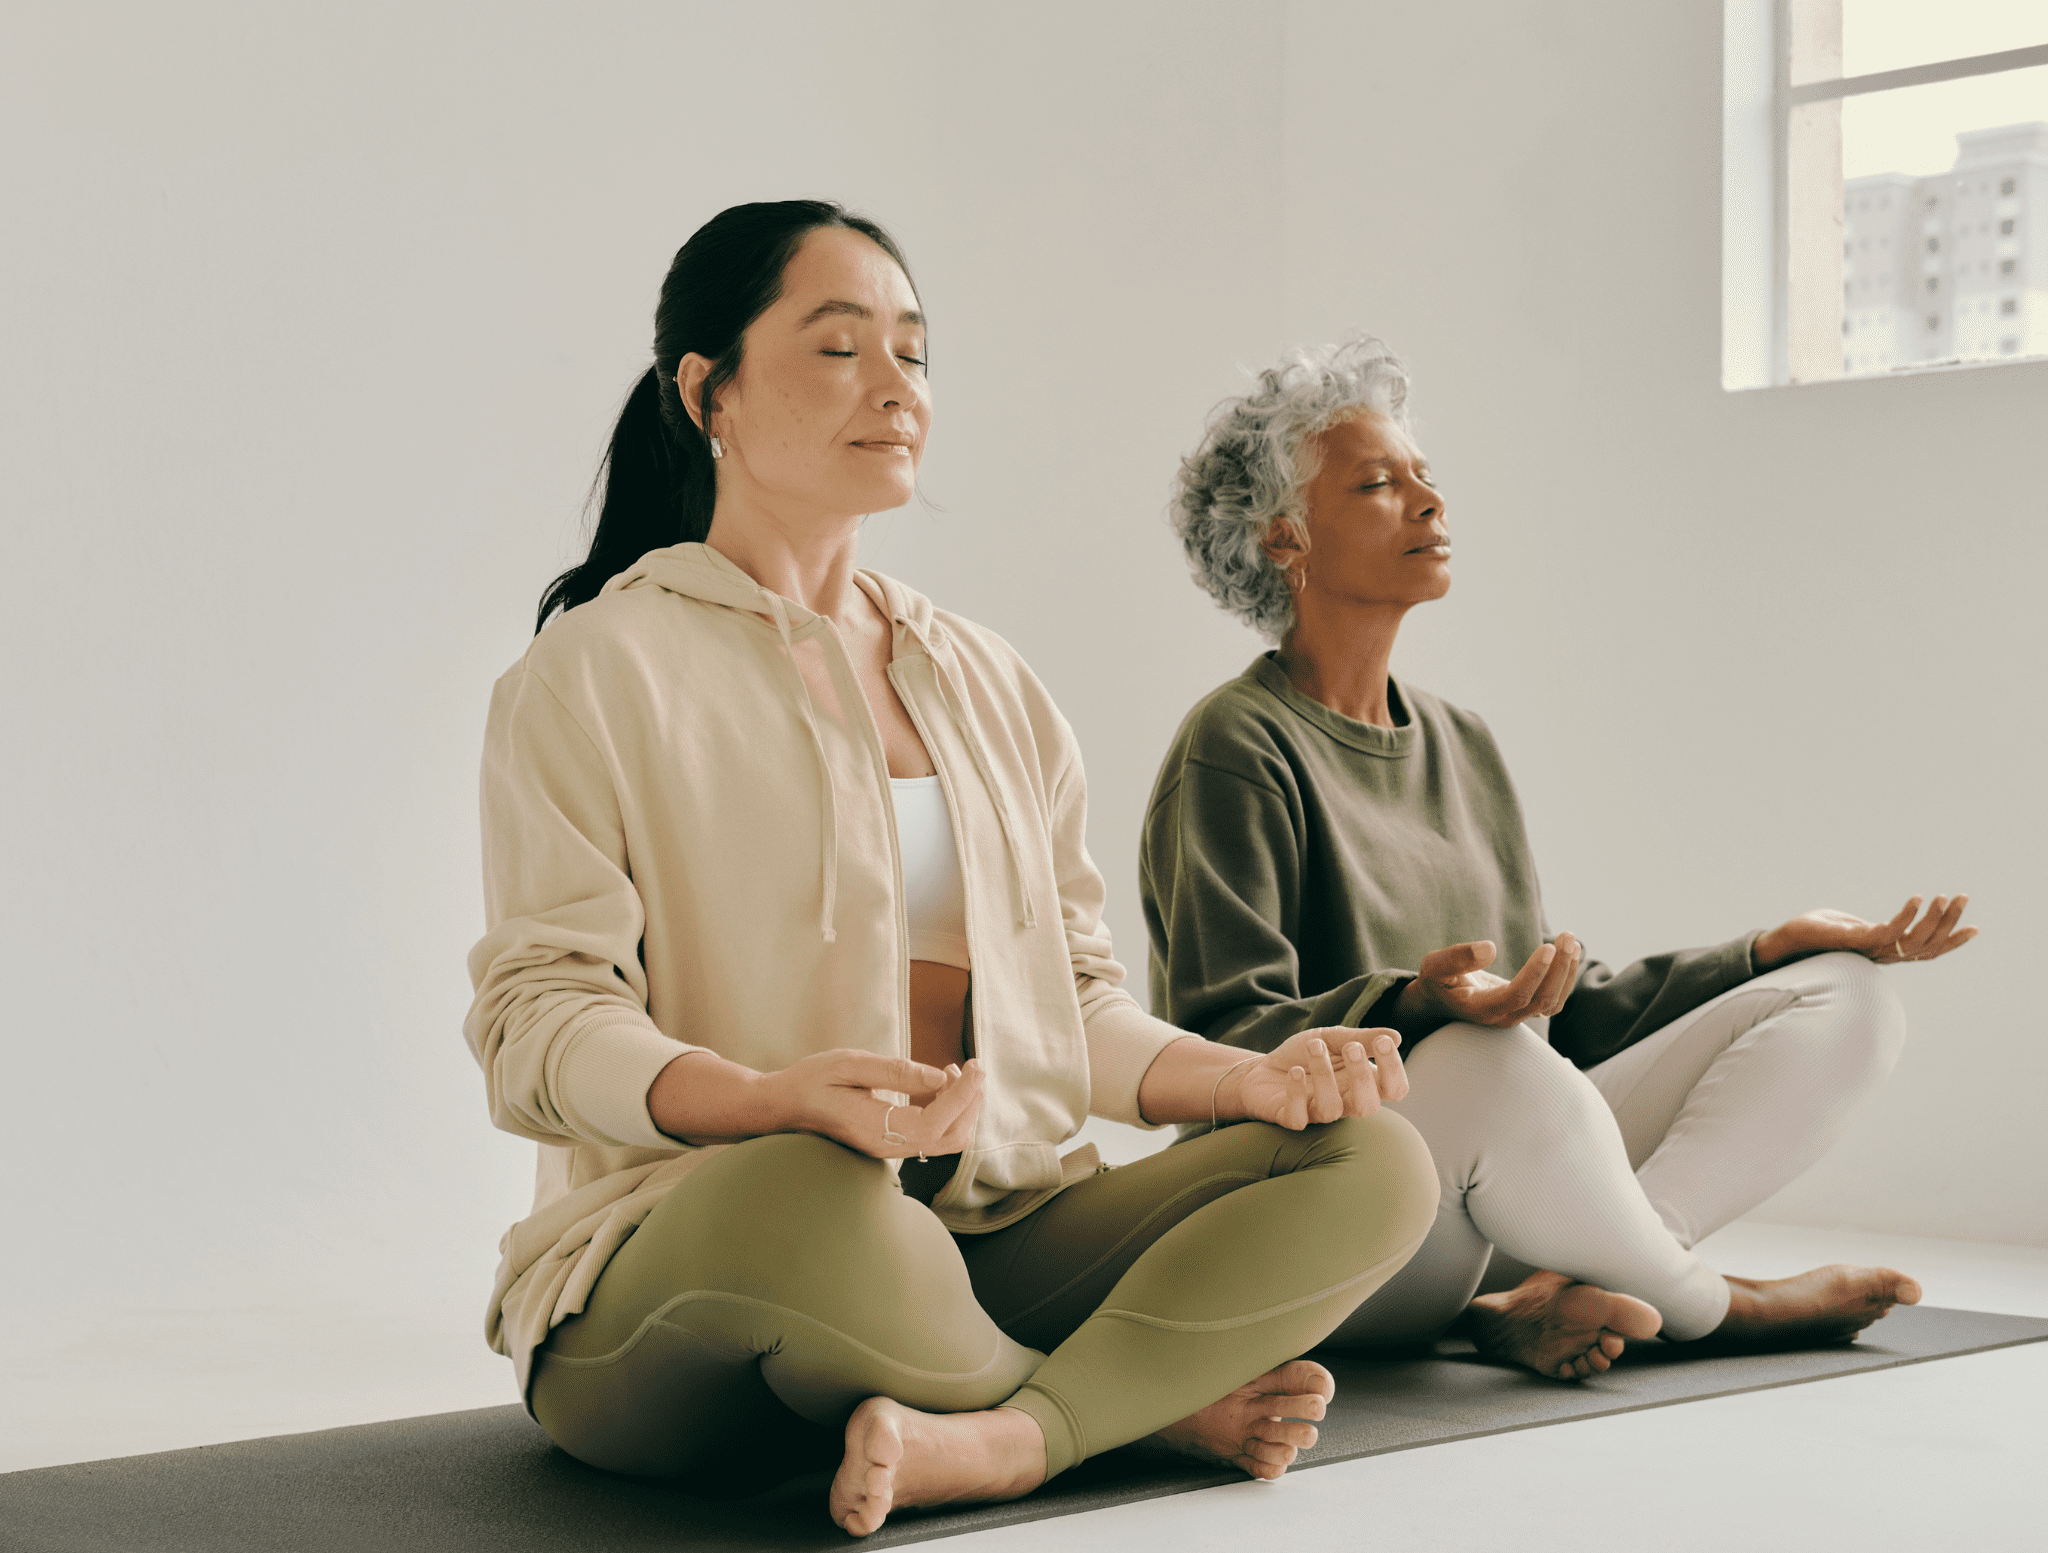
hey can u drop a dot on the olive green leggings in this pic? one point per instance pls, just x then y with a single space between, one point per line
789 1278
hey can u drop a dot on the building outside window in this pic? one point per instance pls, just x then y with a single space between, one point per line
1861 129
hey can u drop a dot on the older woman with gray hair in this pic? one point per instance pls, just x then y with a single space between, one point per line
1329 847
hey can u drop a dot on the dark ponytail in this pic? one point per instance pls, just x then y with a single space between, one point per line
659 485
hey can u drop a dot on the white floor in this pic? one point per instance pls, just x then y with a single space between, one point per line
1943 1455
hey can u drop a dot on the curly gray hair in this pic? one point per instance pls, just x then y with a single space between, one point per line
1256 457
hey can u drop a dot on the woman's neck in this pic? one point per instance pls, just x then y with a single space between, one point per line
1341 659
812 564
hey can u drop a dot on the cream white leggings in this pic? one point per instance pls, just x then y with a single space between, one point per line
1610 1175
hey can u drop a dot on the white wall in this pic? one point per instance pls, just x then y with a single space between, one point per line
315 330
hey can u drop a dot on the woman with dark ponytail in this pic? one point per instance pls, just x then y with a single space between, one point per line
657 473
755 824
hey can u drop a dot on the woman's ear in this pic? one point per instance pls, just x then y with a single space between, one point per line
1284 544
690 374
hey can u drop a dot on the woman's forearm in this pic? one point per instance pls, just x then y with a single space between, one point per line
702 1098
1179 1084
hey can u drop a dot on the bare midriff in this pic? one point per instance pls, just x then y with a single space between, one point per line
938 1005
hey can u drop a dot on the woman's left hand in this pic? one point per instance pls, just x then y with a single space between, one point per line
1308 1079
1886 943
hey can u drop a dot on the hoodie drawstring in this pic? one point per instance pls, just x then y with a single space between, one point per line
828 802
955 698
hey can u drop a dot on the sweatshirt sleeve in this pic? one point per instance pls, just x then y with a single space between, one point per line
1122 1038
1221 877
1609 1011
559 1024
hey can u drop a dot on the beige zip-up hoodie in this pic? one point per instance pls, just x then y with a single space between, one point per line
685 850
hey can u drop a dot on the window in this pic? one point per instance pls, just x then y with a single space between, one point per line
1849 122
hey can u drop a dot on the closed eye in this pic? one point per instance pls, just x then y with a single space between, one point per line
913 360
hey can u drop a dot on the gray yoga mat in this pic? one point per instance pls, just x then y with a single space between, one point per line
488 1481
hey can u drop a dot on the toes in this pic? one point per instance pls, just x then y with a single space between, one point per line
1579 1366
1304 1376
1284 1431
1610 1346
1311 1406
1295 1384
1269 1452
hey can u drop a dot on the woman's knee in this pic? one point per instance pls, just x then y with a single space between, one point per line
1394 1177
1876 1010
771 1204
1868 1030
1495 1077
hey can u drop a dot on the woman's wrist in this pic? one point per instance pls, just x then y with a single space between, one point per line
1182 1080
1229 1103
1414 1006
702 1098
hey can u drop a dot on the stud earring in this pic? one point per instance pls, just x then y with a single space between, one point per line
717 447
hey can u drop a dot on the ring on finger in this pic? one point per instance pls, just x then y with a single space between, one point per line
889 1134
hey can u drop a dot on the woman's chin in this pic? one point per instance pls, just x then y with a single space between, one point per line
888 497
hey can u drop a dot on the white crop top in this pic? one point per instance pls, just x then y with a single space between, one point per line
934 895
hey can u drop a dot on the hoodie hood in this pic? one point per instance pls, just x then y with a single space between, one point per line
696 571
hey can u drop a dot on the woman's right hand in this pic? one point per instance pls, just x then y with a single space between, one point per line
1454 985
850 1097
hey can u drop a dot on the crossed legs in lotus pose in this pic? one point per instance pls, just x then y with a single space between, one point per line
786 1293
1587 1190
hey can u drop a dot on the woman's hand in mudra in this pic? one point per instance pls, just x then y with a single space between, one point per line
888 1107
1887 943
1317 1076
1454 985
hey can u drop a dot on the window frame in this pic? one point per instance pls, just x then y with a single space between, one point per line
1782 185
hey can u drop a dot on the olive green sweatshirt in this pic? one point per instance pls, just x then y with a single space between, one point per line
1297 865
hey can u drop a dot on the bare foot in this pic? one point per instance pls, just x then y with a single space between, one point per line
897 1458
1826 1305
1257 1427
1558 1328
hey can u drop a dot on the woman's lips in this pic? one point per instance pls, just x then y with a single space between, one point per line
883 447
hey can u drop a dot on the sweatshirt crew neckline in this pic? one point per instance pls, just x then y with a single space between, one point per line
1396 743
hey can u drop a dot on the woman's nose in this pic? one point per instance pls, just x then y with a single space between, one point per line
894 391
